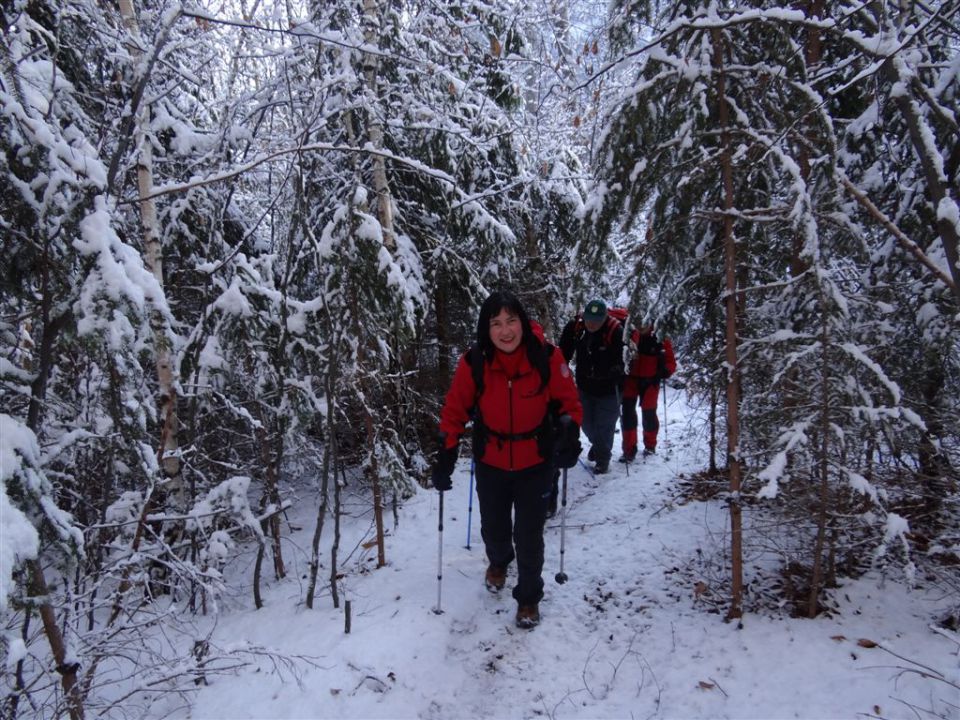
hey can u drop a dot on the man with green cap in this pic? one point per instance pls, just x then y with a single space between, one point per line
593 342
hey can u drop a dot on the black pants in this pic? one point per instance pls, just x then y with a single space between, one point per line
513 510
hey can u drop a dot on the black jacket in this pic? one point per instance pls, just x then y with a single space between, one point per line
598 356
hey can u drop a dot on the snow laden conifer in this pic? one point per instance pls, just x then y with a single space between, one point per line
458 121
554 128
37 533
726 143
77 342
897 165
75 295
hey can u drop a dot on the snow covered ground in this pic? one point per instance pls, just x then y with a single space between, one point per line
630 635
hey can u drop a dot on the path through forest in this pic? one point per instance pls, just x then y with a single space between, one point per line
634 633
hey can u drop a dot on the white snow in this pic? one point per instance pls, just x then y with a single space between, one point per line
630 635
20 541
25 502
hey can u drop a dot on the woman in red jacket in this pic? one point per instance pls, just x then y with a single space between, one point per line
526 415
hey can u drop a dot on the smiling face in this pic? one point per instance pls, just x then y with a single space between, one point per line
506 331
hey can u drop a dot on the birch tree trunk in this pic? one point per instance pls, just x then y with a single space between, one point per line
730 302
168 454
371 33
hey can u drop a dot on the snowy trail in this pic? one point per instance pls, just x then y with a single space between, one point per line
626 637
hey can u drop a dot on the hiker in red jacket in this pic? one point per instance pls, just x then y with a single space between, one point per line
519 394
654 361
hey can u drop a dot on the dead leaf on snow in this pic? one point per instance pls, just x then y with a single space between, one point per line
865 643
838 638
704 685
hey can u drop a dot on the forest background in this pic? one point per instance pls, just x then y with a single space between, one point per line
244 242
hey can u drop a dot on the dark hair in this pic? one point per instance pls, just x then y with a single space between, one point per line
505 300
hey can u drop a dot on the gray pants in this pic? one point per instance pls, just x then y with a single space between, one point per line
600 414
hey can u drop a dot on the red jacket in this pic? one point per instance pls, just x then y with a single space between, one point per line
510 405
644 365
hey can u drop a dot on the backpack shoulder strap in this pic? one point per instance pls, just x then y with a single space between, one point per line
611 328
579 328
541 363
475 358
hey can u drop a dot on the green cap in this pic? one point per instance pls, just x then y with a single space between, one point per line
596 310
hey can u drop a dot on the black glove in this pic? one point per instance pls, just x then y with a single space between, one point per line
444 464
568 442
662 372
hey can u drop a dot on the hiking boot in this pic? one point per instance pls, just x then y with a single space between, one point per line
629 455
495 578
528 616
602 467
551 506
590 455
648 451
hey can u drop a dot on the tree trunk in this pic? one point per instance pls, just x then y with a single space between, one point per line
384 209
270 453
13 699
68 673
938 185
794 394
371 36
257 574
337 512
730 302
816 574
714 402
328 450
443 344
168 453
921 136
35 578
51 330
934 468
377 491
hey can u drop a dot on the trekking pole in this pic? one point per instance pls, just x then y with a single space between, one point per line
626 462
665 424
622 434
561 577
473 462
438 609
627 362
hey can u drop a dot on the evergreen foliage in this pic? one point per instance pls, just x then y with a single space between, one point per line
823 402
337 192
